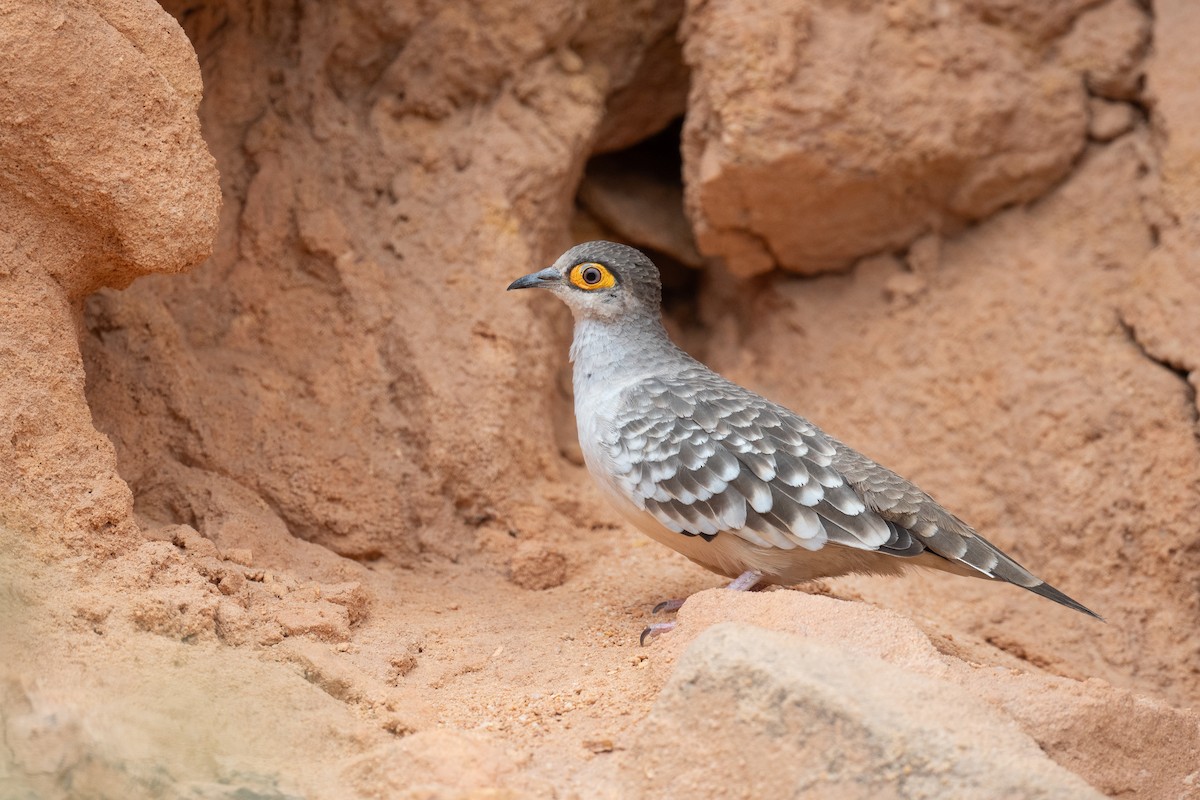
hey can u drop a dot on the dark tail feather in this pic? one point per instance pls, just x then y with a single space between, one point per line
1050 593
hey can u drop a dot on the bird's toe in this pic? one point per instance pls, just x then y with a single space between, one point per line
674 604
655 629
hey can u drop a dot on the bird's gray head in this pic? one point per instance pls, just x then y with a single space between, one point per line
601 281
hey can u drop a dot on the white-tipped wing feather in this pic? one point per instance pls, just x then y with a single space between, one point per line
704 457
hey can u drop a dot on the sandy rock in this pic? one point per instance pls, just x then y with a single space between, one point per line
176 612
634 45
239 555
1060 714
404 659
1036 23
536 565
197 790
1088 727
1161 314
57 471
327 669
1107 44
811 138
439 764
905 287
229 579
189 539
656 93
125 172
166 593
1107 119
778 715
1174 100
107 179
350 595
924 255
44 737
360 417
144 716
233 625
318 618
642 204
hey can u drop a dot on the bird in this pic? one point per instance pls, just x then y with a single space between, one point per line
736 483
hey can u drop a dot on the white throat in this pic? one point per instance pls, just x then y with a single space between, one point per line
608 356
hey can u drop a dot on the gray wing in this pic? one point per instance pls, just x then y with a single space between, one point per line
704 456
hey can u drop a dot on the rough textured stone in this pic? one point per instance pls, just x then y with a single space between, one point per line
106 178
441 764
657 92
1161 310
397 191
823 131
1107 45
1107 119
537 566
778 716
642 204
1175 102
1146 749
100 136
1036 23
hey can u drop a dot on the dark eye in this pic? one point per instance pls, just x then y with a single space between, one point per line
591 276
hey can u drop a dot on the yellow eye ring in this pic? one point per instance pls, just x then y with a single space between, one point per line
591 276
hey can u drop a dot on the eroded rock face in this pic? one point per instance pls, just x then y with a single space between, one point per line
383 401
106 178
389 177
647 99
779 716
115 160
821 132
1161 311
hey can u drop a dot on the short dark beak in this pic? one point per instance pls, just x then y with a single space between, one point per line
546 277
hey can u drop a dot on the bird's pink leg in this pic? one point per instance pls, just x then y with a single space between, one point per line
742 583
746 581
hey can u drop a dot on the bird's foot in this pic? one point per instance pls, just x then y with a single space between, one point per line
742 583
655 629
674 604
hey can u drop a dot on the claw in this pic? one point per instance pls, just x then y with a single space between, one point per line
655 629
674 604
742 583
